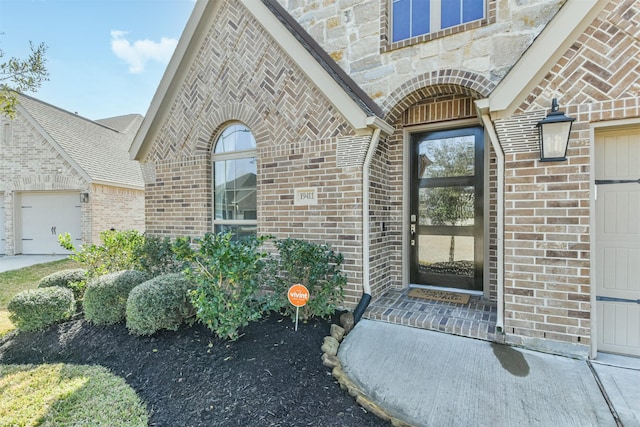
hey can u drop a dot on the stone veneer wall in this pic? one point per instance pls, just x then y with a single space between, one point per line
547 227
356 35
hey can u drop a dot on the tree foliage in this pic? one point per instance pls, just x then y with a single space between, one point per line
21 75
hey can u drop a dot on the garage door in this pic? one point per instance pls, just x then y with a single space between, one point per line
46 215
618 241
3 245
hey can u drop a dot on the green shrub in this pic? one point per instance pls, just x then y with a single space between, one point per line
224 271
105 299
156 256
73 279
119 251
36 309
160 303
315 266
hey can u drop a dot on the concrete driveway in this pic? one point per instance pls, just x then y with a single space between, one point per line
15 262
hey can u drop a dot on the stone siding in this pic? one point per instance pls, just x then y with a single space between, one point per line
356 35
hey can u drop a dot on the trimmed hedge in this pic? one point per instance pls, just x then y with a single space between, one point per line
160 303
36 309
73 279
105 299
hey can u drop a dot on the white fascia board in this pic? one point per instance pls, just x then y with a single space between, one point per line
117 184
33 122
173 77
349 109
545 51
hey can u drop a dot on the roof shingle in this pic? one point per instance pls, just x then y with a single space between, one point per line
99 147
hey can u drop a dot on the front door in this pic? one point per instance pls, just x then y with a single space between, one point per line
446 217
617 172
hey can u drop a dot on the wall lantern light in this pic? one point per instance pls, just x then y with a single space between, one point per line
554 133
84 197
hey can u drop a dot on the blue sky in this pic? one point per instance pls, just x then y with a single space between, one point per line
105 57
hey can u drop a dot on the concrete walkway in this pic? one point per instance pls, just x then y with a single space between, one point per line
429 378
15 262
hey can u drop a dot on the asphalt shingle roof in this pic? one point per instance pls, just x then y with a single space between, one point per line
100 148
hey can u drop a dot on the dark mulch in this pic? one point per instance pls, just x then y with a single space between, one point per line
271 376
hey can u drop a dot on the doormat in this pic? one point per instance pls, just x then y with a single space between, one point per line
438 295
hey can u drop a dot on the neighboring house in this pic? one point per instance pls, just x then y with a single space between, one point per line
411 146
61 173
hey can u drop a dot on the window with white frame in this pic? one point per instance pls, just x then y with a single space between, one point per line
234 182
413 18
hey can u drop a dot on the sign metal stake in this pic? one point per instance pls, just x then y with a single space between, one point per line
298 296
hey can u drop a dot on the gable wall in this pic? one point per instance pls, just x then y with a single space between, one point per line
547 227
30 163
302 141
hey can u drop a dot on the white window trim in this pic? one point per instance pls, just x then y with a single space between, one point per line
435 21
219 157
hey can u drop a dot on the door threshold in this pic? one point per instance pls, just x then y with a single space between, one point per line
441 288
618 360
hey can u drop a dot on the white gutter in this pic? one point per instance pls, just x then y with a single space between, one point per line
483 108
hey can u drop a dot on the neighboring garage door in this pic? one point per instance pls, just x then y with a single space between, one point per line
617 162
3 245
46 215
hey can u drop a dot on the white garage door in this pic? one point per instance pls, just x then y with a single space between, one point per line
44 216
618 241
3 245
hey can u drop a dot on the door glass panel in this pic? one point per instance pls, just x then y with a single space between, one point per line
446 254
451 206
446 157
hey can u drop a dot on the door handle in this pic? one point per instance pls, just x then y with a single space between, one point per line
53 230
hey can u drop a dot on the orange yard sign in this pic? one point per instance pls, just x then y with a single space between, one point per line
298 295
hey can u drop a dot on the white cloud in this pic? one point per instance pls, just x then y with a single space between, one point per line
138 53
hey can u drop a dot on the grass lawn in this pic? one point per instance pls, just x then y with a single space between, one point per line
15 281
67 395
59 394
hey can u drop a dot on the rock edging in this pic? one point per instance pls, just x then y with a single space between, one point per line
329 348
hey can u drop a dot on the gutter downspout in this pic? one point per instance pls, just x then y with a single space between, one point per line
483 108
366 227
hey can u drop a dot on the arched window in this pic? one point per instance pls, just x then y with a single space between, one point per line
234 182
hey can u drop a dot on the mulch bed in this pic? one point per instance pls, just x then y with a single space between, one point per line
271 376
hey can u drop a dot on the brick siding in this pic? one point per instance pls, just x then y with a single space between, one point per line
241 75
115 207
298 133
30 163
547 207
